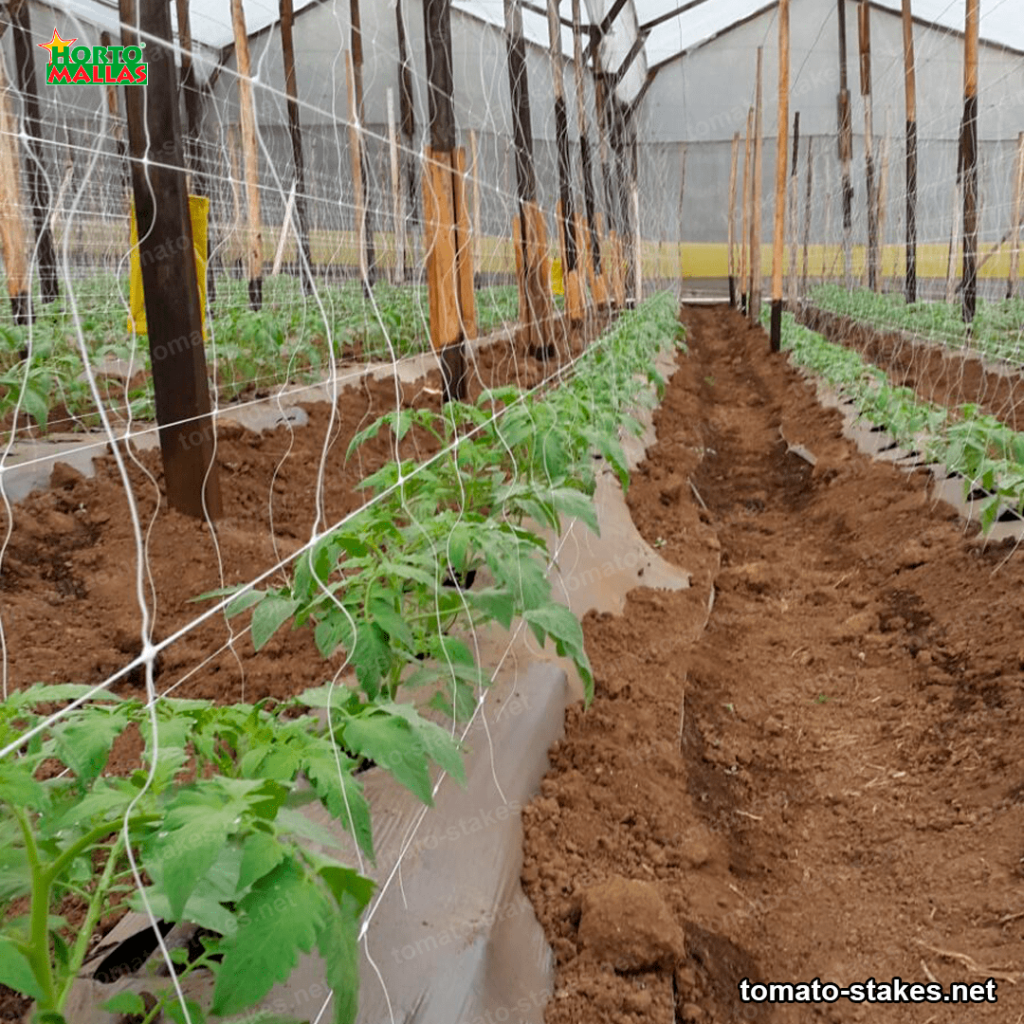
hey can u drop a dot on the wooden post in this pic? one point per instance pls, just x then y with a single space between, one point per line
682 196
166 253
599 285
612 265
478 227
116 133
355 152
295 133
969 158
882 203
536 268
407 123
845 147
235 179
756 275
12 225
1018 210
565 213
910 90
954 230
732 219
808 195
247 117
748 194
368 257
864 25
398 193
780 178
38 187
792 213
448 256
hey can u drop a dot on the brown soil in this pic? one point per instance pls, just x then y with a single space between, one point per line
938 374
67 575
823 782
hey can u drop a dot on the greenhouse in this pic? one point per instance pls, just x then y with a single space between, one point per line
510 511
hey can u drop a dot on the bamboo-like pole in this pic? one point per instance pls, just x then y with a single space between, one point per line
864 25
969 157
778 254
397 191
793 210
910 90
748 191
1018 211
845 147
38 186
808 196
12 224
295 134
756 274
247 117
733 170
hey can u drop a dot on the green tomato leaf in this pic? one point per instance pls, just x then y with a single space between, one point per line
269 616
16 971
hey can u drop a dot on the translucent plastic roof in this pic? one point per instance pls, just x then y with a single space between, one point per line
666 33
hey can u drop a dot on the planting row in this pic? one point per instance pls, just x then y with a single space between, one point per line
997 330
209 829
985 452
41 367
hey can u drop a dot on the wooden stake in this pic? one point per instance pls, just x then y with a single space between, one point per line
793 210
173 313
444 209
756 274
969 159
910 89
397 192
954 231
682 196
845 147
357 110
537 284
12 225
116 133
355 153
295 133
780 178
808 195
566 218
478 226
407 119
748 195
1018 210
38 187
247 115
733 170
883 199
864 24
598 286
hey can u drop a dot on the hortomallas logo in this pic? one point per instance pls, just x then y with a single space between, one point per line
94 65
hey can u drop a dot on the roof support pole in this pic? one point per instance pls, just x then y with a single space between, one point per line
969 159
173 313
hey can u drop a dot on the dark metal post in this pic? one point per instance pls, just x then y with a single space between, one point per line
969 159
910 82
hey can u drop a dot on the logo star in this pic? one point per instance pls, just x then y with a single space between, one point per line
58 44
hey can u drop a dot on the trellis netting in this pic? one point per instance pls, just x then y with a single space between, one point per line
443 241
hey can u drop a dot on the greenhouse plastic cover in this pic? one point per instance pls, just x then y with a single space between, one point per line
211 23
